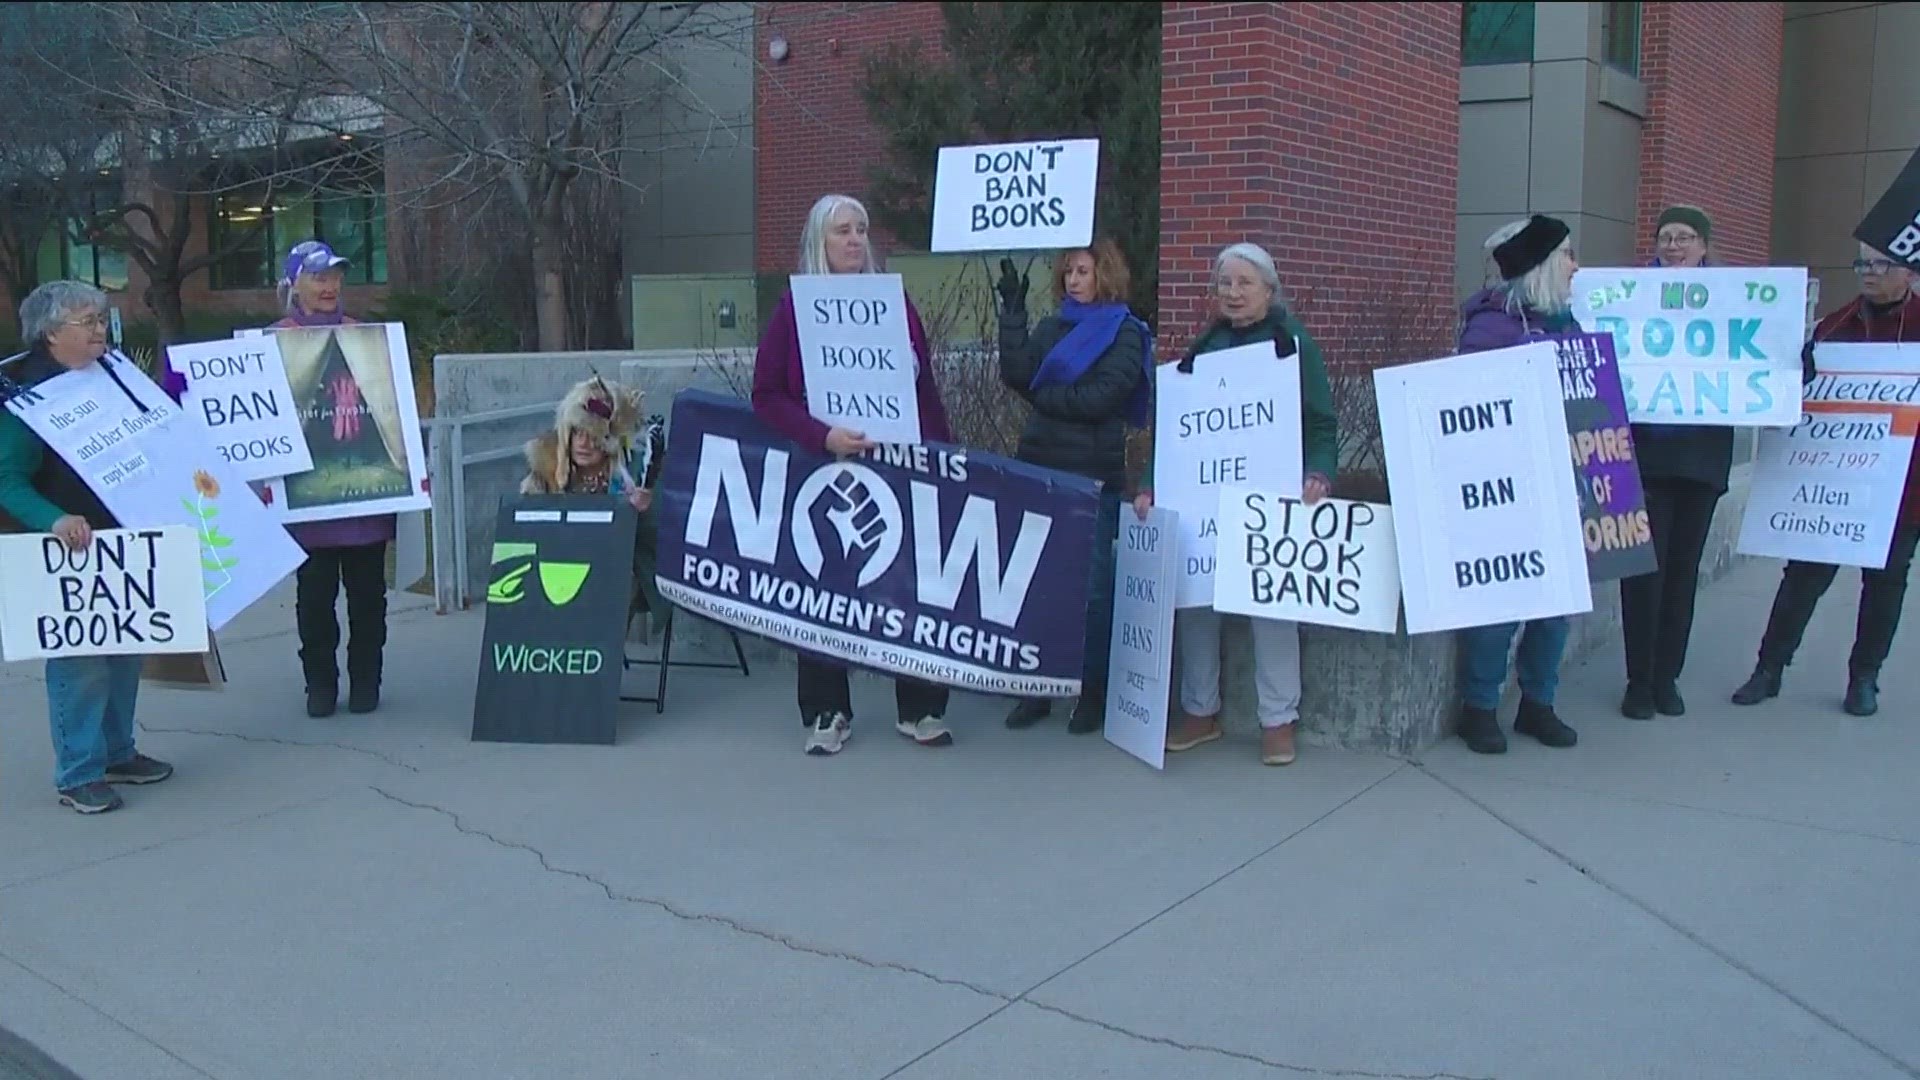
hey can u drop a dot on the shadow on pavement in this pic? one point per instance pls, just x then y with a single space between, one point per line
21 1060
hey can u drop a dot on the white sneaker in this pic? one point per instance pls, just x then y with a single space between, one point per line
830 732
927 731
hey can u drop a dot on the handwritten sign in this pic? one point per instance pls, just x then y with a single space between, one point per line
1715 347
1613 508
130 592
858 354
1333 563
238 390
1139 682
1015 196
1487 521
1234 420
1828 489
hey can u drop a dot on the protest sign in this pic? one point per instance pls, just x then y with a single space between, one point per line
1714 347
153 467
353 393
1235 419
1140 656
857 352
1485 516
130 592
1015 196
1331 564
1613 508
238 390
552 652
1893 225
1828 490
953 566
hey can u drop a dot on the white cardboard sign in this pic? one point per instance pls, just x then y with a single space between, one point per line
1015 196
1139 683
857 352
131 592
1331 564
1235 419
1486 515
237 389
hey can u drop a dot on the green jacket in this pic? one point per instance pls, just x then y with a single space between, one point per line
20 458
1319 425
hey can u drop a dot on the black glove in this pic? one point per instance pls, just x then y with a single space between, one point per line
1807 370
1284 345
1012 289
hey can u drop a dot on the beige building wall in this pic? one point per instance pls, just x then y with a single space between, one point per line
1559 136
1849 120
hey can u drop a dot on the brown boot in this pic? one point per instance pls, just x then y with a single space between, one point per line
1276 745
1191 731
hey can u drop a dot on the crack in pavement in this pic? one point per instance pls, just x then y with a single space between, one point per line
210 733
792 944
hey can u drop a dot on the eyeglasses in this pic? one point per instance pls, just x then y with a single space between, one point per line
91 322
1677 239
1864 267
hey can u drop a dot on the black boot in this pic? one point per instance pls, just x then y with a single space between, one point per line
1541 722
363 698
1637 703
1480 730
1667 699
1029 712
322 702
1764 683
1863 695
1090 712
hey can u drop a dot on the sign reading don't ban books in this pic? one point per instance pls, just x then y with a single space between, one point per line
130 592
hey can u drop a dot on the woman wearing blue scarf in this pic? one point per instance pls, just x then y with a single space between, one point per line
1088 373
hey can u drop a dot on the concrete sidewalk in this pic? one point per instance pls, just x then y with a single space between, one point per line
1727 895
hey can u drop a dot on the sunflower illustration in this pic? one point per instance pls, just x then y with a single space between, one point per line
206 485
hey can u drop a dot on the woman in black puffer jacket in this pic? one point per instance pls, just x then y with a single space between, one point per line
1087 372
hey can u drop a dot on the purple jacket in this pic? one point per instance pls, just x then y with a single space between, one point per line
312 535
780 383
1486 324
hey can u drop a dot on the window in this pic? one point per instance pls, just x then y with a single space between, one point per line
256 232
1496 34
71 254
1620 37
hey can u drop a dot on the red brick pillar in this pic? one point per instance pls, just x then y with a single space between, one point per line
1329 134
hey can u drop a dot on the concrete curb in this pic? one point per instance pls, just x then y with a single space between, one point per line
21 1060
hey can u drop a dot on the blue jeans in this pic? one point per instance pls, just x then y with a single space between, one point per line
90 703
1106 541
1483 655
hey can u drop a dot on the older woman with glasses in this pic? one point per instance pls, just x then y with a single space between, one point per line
90 699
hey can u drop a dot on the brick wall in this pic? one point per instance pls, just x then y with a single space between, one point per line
811 133
1327 133
1712 73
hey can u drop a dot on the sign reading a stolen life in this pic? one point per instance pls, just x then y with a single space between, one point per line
130 592
1828 489
1015 196
1141 652
1486 519
1716 347
238 390
1613 508
1235 419
857 352
1332 563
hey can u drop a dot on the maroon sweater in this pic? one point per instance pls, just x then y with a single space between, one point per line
1857 322
780 383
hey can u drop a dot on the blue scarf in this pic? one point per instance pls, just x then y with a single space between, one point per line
1094 328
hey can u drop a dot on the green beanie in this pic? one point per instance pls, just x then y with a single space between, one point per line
1686 215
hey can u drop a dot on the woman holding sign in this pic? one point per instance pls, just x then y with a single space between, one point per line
835 242
1088 373
1533 301
90 699
1246 290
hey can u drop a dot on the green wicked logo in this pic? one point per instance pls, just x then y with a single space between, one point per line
561 582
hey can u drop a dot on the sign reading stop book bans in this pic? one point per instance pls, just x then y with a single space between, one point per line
1139 682
1015 196
1828 489
1331 564
1485 511
857 352
130 592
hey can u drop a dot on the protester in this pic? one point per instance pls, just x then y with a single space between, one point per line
1887 310
589 452
835 241
1533 301
90 699
1247 294
1088 373
1683 471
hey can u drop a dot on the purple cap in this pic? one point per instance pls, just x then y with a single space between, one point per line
310 257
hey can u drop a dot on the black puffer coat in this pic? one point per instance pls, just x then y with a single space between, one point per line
1080 428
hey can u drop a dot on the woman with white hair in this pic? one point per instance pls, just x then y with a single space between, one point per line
1247 293
90 699
1534 300
835 241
